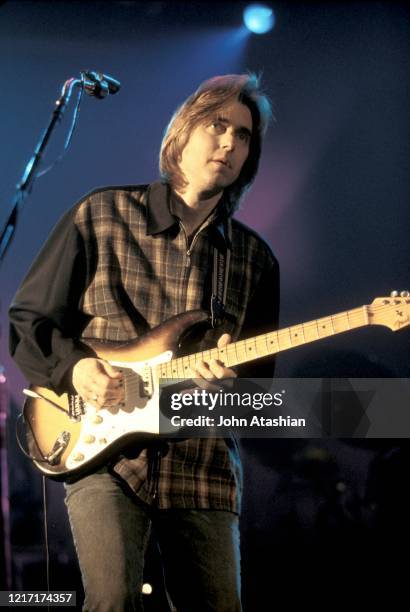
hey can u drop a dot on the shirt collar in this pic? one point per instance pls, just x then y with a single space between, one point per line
160 218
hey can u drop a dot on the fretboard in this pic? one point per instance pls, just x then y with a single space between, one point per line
271 343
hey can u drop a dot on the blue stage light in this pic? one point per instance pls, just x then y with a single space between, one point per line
259 18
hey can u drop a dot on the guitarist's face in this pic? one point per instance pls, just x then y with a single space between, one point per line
217 149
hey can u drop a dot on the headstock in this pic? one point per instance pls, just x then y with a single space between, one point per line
392 311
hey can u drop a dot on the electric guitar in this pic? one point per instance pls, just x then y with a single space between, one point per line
67 437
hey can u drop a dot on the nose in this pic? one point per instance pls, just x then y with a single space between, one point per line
227 141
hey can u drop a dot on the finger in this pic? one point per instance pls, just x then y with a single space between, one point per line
110 370
224 340
111 404
196 371
112 397
204 371
106 401
220 371
104 384
97 385
192 372
229 373
217 368
208 385
104 391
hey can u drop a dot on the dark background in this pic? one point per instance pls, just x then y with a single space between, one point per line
331 198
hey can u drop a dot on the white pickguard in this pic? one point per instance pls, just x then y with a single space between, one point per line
101 428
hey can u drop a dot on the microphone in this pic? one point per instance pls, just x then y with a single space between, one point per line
98 84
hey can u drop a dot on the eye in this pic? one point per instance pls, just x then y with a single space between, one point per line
244 137
217 126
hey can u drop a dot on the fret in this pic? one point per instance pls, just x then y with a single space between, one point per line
186 366
255 345
261 345
192 360
251 348
222 355
284 341
180 368
297 335
230 352
168 370
365 315
213 354
239 351
244 348
206 356
274 342
357 317
342 322
310 331
325 326
236 354
174 370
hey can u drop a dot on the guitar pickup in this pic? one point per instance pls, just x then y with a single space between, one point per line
147 382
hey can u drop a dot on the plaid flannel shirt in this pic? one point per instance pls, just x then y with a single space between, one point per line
119 264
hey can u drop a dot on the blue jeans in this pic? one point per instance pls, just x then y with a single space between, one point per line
111 527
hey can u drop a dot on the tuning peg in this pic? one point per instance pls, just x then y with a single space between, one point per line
394 294
404 294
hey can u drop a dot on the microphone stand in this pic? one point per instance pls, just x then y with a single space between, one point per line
29 176
23 189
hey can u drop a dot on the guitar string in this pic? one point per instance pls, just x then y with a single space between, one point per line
241 345
357 315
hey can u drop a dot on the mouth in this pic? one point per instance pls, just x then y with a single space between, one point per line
222 162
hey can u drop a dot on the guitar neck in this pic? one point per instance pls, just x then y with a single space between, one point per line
271 343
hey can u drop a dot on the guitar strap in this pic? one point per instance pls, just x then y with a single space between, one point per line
220 276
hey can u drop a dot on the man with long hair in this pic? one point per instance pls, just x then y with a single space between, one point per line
120 262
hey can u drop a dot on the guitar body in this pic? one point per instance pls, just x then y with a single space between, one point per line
67 437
